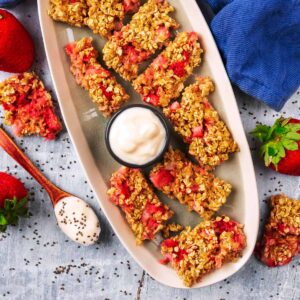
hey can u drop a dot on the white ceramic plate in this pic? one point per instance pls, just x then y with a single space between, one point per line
86 128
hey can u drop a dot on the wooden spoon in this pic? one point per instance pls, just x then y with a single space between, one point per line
66 201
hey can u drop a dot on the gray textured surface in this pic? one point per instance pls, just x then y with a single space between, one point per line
38 262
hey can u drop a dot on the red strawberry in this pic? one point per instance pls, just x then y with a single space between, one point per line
281 145
13 200
16 45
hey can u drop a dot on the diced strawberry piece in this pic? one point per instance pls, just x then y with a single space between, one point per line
108 94
169 243
180 255
198 132
162 33
239 239
52 122
186 56
178 68
131 6
160 62
222 226
124 190
134 56
152 99
207 105
193 37
69 48
152 224
152 208
195 188
166 259
174 106
88 56
161 178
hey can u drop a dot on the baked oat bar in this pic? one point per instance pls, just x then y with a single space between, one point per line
106 16
72 12
163 80
103 88
190 184
148 31
194 118
281 238
144 212
196 252
28 106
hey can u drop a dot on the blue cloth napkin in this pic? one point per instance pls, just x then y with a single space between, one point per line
260 43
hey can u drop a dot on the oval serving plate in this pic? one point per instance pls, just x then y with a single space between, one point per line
86 128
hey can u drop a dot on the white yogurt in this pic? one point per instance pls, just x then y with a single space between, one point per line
77 220
137 136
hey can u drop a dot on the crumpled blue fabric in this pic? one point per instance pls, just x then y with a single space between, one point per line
260 44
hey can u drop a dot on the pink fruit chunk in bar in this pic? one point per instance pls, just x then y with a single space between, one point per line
107 16
28 106
281 237
148 31
196 252
190 184
103 88
144 212
195 119
164 79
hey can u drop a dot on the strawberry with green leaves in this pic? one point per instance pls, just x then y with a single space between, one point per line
281 145
13 200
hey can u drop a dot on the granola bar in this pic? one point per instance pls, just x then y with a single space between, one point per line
102 16
144 212
281 239
147 32
106 16
190 184
72 12
196 252
28 106
194 118
103 88
163 79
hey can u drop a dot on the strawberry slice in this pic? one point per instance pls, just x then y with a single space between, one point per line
162 178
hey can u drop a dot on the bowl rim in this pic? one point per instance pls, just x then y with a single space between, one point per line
163 121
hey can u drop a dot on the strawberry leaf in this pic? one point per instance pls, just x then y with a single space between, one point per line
293 127
289 144
12 210
293 136
3 220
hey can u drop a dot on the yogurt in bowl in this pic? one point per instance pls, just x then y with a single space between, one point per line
137 136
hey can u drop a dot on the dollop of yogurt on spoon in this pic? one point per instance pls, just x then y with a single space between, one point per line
77 220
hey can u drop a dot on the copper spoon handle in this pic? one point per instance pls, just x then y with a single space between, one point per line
14 151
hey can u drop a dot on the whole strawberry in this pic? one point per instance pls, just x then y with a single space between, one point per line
16 45
281 145
13 200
